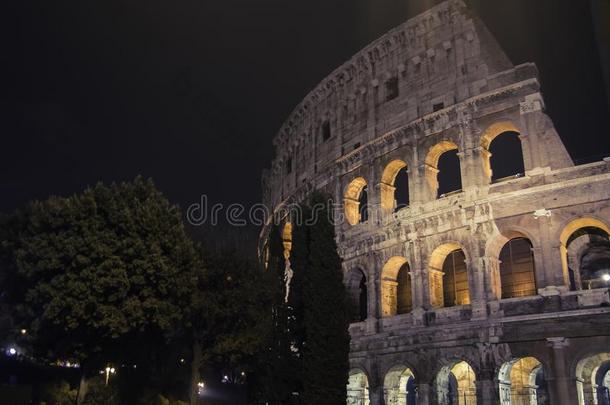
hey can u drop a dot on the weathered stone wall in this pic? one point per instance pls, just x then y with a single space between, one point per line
356 129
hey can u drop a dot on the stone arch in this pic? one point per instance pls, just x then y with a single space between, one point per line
432 162
573 277
494 245
355 209
388 185
448 280
522 382
587 388
399 386
357 293
504 128
455 384
495 130
287 238
358 388
493 248
517 267
602 383
396 296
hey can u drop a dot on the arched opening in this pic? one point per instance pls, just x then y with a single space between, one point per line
522 382
403 290
502 151
401 194
443 171
363 203
602 382
357 388
399 387
357 295
394 186
287 239
356 201
449 175
455 279
593 380
585 251
517 270
448 277
456 385
506 157
396 293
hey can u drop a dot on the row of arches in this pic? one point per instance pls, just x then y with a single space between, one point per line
502 158
585 250
447 279
520 381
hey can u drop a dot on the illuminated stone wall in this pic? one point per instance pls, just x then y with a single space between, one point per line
440 83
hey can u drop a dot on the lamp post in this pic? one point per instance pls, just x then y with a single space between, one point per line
109 370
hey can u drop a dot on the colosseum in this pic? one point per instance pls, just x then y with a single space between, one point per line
476 254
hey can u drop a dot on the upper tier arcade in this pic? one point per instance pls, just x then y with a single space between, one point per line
431 72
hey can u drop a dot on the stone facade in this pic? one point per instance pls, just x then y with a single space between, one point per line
493 293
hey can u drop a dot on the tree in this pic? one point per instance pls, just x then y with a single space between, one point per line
102 276
279 364
325 321
231 315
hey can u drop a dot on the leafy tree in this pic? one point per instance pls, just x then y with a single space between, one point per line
231 315
58 393
325 321
101 394
102 276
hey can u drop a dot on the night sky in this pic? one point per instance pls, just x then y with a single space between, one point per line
191 92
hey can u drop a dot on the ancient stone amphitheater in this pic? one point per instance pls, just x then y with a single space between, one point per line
476 254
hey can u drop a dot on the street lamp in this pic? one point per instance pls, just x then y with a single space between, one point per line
606 277
200 387
109 370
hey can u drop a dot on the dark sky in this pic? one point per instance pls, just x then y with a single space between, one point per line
191 92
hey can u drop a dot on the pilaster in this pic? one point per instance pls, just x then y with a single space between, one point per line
558 384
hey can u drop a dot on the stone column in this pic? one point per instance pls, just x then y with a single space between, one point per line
376 395
423 394
539 267
492 280
428 183
419 288
373 287
472 169
531 111
559 383
435 288
373 196
419 296
416 182
477 288
526 150
413 247
487 389
554 280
